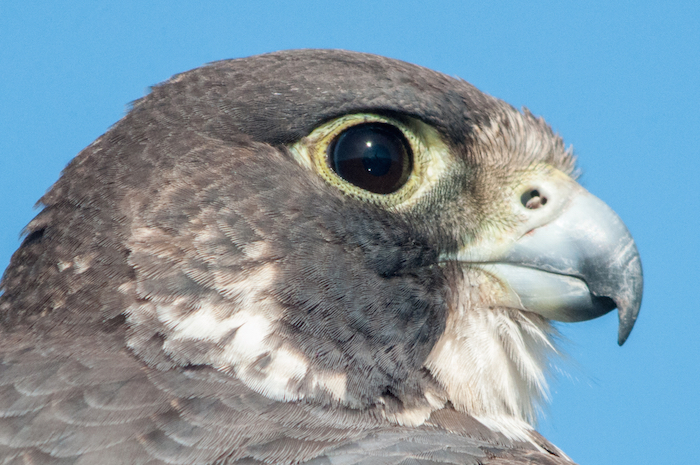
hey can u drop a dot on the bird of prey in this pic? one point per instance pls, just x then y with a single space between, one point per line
311 256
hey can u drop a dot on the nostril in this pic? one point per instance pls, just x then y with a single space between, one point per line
532 199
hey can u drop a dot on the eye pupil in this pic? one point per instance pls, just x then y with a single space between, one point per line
376 160
373 156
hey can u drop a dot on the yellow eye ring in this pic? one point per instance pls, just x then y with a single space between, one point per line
315 150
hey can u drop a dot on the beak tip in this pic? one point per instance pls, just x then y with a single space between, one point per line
631 299
628 312
622 336
628 317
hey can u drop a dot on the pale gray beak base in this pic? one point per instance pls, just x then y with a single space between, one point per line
590 242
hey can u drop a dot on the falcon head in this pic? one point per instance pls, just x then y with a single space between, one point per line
329 228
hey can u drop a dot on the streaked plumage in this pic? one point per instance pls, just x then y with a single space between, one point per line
201 288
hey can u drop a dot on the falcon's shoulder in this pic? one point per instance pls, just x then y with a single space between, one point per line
67 401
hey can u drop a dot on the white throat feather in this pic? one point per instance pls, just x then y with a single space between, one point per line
492 361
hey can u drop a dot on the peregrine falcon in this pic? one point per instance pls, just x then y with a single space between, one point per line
311 256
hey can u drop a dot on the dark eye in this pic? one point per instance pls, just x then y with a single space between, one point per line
373 156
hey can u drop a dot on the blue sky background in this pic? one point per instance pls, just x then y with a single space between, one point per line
619 80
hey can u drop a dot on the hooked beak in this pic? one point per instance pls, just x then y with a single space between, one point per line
570 259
